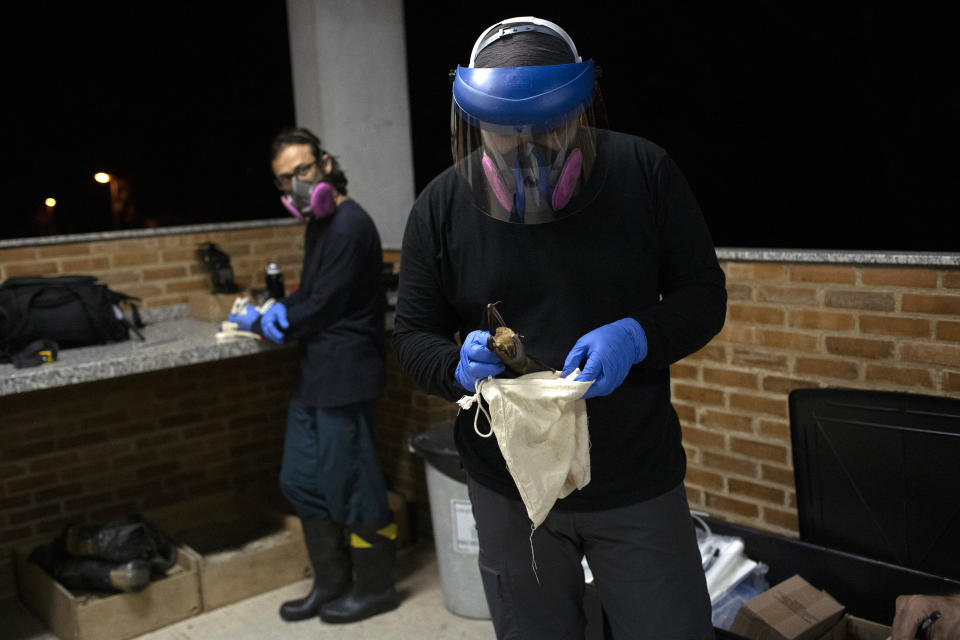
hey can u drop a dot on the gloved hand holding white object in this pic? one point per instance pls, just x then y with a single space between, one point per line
540 421
610 351
245 317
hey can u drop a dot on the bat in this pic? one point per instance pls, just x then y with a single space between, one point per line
508 346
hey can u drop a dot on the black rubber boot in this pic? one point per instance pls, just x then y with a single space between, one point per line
373 592
331 568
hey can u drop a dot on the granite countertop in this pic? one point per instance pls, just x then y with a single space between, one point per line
173 339
824 256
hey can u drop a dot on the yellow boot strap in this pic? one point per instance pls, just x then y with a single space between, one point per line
389 532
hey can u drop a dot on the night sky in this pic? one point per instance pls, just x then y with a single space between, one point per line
180 103
796 126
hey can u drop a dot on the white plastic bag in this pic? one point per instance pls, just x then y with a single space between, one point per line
732 577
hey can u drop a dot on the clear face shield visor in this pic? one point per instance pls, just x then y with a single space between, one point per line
524 138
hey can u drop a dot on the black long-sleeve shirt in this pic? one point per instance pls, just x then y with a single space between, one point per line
337 313
642 236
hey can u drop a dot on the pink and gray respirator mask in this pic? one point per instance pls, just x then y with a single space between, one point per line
532 176
309 199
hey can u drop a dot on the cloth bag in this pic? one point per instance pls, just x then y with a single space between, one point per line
540 421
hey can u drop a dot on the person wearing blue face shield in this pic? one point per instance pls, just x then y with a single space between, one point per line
596 251
329 472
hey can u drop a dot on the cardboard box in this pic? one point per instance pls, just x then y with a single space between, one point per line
212 307
80 616
244 546
854 628
790 610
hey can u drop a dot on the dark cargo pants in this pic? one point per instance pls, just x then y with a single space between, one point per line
330 468
644 559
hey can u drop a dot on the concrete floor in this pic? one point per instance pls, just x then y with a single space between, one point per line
421 615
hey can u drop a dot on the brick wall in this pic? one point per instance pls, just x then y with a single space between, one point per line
405 410
792 326
164 270
84 452
90 451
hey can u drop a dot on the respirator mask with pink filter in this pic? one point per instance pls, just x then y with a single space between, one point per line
532 175
309 199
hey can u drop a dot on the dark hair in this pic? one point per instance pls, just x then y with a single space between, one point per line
525 49
292 136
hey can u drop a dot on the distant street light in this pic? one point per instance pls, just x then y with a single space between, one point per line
116 198
50 202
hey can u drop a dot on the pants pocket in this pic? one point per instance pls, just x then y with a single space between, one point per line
499 600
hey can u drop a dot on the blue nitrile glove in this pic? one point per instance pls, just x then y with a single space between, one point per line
274 322
246 319
476 361
610 351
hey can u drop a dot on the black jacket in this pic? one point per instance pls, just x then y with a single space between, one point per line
337 313
640 236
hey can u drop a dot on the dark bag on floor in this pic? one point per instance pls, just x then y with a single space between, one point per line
123 554
72 311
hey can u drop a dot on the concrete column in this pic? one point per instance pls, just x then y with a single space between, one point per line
348 59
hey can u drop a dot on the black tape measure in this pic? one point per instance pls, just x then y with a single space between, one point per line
35 354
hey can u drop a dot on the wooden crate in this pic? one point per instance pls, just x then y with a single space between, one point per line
266 551
77 616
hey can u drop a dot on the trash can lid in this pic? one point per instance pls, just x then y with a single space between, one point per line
436 446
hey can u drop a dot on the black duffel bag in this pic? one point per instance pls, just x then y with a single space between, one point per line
70 311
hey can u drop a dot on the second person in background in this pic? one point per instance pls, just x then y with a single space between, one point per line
330 472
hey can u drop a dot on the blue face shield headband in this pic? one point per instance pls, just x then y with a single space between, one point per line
515 100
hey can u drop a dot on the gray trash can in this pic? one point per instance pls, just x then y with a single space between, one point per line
454 530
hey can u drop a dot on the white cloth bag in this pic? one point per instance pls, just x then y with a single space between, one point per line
540 421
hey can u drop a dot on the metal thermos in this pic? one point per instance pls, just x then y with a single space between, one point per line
274 281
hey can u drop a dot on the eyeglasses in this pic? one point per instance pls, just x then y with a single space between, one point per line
301 171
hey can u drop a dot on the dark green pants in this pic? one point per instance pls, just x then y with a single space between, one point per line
330 467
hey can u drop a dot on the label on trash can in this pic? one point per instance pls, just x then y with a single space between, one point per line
464 527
